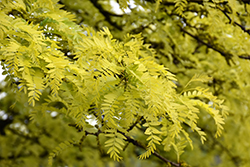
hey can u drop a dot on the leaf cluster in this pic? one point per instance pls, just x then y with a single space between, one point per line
81 73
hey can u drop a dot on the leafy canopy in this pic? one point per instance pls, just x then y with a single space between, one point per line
118 84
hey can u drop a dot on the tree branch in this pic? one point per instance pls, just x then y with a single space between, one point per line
228 56
136 143
234 22
247 57
134 124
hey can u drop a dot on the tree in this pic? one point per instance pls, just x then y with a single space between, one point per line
153 80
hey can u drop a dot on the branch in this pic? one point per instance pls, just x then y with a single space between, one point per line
247 57
224 54
134 124
228 56
234 22
164 2
137 143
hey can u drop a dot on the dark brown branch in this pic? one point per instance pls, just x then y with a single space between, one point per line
242 27
234 22
164 2
136 143
134 124
247 57
228 56
167 3
166 160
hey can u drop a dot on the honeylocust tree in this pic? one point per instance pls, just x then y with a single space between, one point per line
100 87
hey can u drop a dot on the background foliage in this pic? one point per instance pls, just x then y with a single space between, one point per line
45 54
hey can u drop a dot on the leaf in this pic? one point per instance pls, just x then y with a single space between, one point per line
179 149
62 146
115 144
200 78
180 6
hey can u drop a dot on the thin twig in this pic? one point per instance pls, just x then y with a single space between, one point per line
136 143
228 56
247 57
135 123
234 22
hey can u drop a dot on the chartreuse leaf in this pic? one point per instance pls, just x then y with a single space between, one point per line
179 148
86 74
153 139
62 146
115 143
